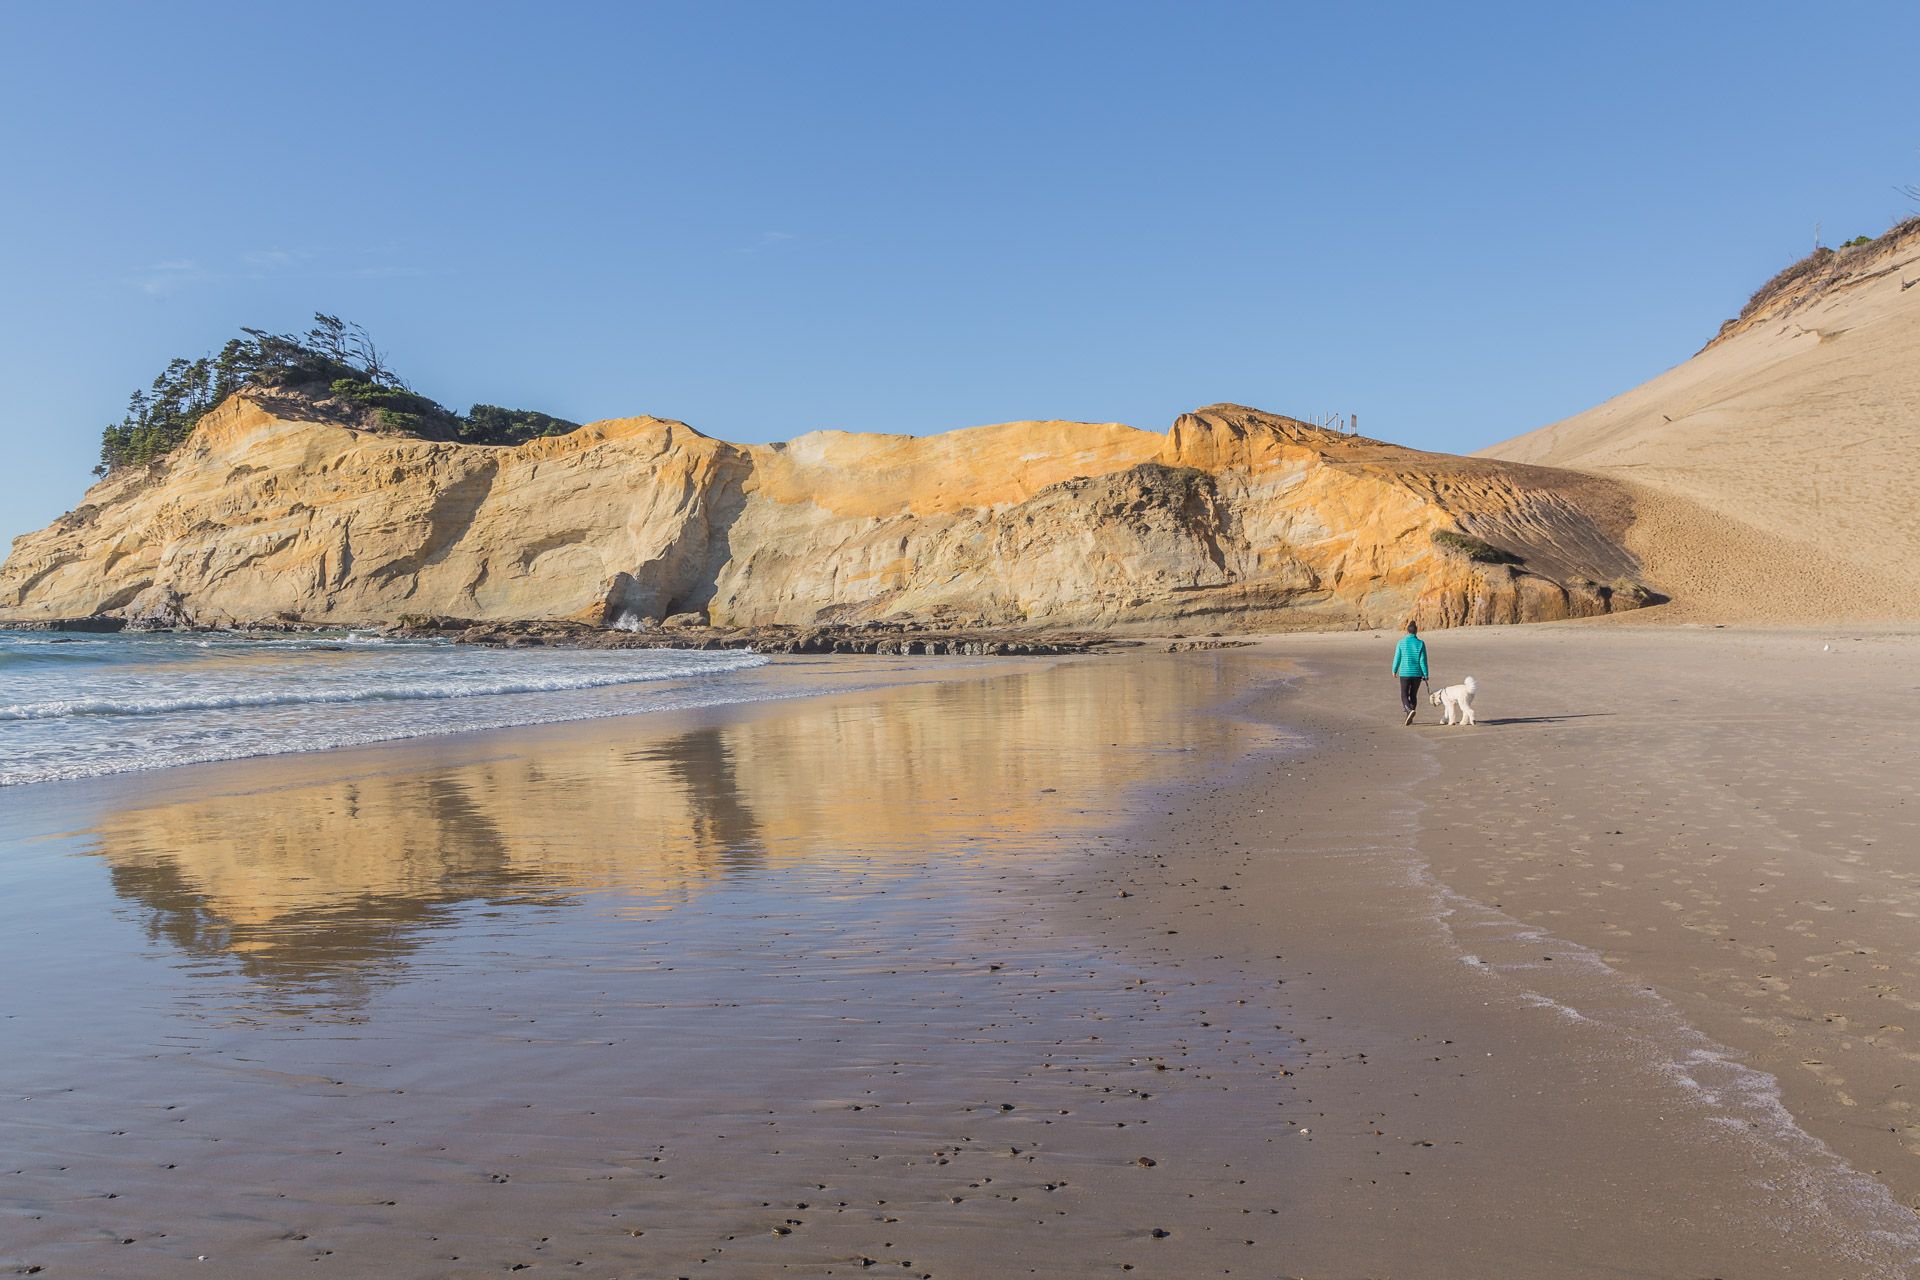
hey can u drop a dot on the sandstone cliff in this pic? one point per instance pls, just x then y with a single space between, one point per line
1234 519
1774 473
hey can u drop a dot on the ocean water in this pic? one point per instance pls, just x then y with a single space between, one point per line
75 706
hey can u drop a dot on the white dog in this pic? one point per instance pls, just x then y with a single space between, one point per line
1458 701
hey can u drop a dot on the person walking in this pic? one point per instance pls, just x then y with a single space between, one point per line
1410 664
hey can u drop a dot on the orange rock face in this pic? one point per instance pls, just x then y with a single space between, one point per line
1233 520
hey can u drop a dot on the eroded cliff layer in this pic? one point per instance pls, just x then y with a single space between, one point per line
1235 518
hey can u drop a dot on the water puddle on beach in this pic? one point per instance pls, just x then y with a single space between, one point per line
802 988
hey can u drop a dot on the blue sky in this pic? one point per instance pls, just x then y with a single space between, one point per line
1461 222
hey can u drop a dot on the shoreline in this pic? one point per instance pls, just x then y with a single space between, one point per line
791 677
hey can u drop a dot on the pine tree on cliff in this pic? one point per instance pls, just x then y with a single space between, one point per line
334 359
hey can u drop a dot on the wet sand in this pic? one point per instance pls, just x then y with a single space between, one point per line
818 987
1596 1076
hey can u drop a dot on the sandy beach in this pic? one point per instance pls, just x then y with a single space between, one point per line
694 642
1155 964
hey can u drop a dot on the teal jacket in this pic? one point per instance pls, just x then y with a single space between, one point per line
1410 659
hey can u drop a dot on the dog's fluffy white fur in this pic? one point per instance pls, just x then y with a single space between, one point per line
1457 700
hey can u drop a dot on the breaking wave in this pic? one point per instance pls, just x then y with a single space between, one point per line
80 706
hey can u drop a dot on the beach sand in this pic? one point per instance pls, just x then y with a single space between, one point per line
1149 965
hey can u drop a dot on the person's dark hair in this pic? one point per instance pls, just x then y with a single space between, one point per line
1413 628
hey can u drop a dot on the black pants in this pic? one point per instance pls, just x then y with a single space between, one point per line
1410 692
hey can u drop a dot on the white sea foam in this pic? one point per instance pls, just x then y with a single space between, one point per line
1800 1178
86 705
457 688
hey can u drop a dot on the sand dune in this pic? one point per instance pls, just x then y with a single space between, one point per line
1775 470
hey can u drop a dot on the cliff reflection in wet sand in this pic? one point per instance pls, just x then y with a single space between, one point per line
608 995
319 892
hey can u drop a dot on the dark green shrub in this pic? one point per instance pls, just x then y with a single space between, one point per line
375 396
490 424
398 410
1628 589
1472 548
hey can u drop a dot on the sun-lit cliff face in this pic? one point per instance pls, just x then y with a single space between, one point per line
1234 518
